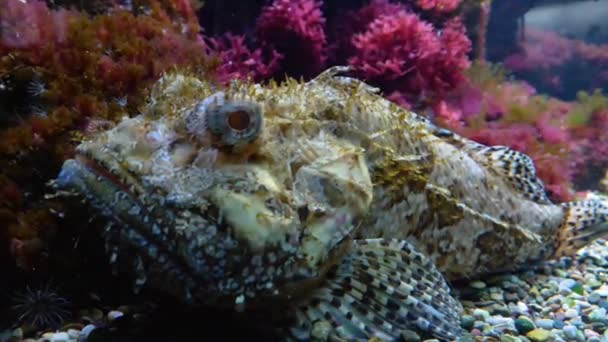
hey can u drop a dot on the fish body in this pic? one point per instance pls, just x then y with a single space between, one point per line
322 195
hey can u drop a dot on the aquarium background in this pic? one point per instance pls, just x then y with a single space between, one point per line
531 75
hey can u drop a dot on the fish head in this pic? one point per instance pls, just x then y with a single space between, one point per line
225 194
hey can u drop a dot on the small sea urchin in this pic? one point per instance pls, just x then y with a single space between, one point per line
41 307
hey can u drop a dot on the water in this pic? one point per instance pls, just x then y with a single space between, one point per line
530 75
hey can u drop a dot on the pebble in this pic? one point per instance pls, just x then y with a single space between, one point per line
524 325
481 314
570 331
60 337
539 335
509 338
73 333
47 336
17 333
571 313
546 293
478 284
86 330
544 323
321 330
114 314
598 315
467 321
566 285
594 297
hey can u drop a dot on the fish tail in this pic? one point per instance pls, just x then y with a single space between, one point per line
379 289
585 221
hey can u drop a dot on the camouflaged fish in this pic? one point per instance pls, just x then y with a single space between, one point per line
321 196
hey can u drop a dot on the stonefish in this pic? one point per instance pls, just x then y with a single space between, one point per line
319 197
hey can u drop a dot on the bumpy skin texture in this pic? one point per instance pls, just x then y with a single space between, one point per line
214 214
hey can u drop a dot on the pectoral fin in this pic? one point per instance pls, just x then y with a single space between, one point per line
379 289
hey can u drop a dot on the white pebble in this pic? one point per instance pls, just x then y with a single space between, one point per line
86 330
114 314
571 313
73 333
60 337
522 307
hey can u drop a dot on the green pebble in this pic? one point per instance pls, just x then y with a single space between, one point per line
466 322
534 291
578 289
524 325
580 336
539 335
481 314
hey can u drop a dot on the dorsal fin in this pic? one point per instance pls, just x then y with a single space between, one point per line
516 168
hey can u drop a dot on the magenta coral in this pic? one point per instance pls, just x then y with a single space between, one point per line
400 51
438 6
354 22
237 61
295 28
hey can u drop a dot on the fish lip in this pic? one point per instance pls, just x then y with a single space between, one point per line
100 169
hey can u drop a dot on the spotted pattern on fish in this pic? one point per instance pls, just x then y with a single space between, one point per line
320 196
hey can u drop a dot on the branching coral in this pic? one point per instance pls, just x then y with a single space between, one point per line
295 28
236 61
438 6
402 52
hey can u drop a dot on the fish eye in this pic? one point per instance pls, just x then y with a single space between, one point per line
235 122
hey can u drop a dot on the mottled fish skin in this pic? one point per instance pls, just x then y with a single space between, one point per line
328 194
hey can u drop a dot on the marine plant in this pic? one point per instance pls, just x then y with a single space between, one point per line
558 65
63 71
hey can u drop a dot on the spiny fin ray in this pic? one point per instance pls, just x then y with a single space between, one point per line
380 288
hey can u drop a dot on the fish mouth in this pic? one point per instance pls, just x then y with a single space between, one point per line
98 169
136 223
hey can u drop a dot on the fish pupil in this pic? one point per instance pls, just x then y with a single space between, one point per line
239 120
